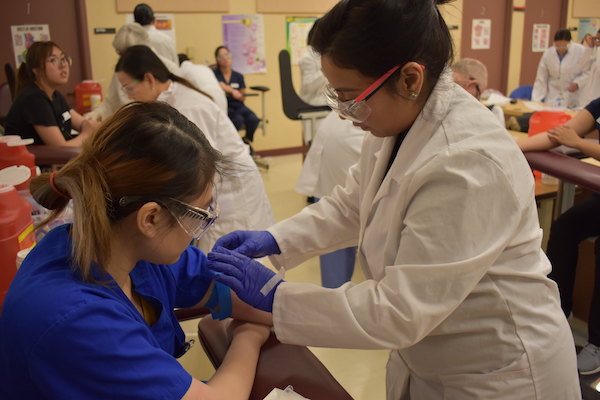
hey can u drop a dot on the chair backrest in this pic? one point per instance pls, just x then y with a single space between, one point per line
293 105
522 92
5 101
10 78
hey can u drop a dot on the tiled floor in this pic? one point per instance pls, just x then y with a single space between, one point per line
360 372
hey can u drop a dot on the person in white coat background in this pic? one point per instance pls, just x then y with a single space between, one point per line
472 75
162 43
590 64
240 192
334 150
128 35
441 205
559 76
202 77
311 85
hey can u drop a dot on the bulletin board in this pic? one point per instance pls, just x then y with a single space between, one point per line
586 9
168 6
294 6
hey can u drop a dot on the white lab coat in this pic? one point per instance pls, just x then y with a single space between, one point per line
204 79
449 243
590 64
554 76
335 149
161 43
117 98
312 81
240 193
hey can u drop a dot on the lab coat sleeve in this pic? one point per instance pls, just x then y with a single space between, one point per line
540 86
312 81
114 99
335 217
461 214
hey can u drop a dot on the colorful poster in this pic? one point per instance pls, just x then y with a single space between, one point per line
244 35
481 34
163 22
296 29
540 39
588 25
24 35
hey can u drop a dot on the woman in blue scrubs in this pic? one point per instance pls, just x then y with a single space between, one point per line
89 314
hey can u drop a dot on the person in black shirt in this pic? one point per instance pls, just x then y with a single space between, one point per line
39 111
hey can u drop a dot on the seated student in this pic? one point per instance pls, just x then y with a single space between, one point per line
472 76
89 314
241 193
580 222
39 111
234 86
128 35
202 77
559 75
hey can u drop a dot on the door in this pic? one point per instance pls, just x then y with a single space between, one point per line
497 14
552 12
66 21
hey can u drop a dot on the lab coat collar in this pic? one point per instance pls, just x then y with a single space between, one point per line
164 96
417 137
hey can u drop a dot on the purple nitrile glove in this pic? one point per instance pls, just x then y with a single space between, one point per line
253 244
245 276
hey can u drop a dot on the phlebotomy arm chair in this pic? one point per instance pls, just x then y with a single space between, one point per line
293 106
279 365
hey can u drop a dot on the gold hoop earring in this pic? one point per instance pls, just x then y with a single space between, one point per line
412 95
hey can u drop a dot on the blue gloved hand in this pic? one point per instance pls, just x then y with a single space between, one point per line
254 244
245 276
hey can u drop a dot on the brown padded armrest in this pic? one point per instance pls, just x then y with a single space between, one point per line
566 168
53 155
279 365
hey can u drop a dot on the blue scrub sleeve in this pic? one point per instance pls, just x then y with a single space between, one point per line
122 361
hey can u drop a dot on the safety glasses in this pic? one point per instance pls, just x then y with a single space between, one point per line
193 220
357 109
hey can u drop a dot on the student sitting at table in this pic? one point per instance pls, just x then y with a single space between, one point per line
39 111
89 315
580 222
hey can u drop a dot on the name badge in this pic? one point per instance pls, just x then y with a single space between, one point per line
235 85
66 116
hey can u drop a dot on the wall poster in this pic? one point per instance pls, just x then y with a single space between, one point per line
244 35
481 34
24 35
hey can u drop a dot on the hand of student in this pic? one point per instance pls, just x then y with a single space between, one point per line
236 94
565 136
573 87
254 244
255 333
245 276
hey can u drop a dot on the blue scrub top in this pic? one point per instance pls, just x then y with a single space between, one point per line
236 82
63 338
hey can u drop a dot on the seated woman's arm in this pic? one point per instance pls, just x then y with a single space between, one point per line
581 124
51 135
234 378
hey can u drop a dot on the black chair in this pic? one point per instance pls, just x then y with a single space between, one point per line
293 106
10 78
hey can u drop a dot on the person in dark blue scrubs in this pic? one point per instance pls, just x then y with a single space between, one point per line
234 86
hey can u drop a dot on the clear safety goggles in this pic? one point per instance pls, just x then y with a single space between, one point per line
193 220
357 109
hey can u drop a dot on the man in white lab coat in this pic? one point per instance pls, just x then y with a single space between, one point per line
442 208
559 76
